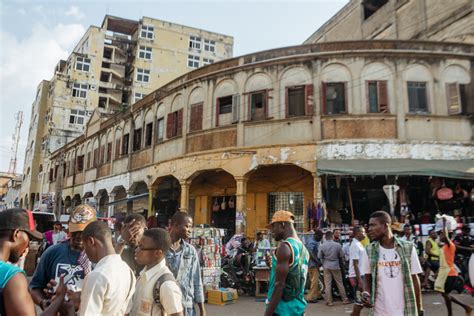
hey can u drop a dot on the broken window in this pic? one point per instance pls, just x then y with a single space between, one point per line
193 61
108 52
144 52
104 76
371 6
125 144
334 98
77 117
148 134
225 104
174 124
147 31
102 102
80 163
79 90
258 105
417 97
143 75
83 64
209 45
195 42
378 97
195 119
160 129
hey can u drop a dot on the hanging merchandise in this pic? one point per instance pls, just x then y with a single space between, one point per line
223 204
215 206
309 214
231 202
444 193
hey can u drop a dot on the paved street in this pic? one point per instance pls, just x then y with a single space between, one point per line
433 302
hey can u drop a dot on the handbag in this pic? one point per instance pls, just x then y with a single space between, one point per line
444 194
231 203
215 206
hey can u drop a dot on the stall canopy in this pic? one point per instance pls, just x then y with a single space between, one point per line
459 169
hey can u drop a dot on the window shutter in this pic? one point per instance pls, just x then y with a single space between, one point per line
197 118
117 148
309 99
96 157
180 123
235 108
323 97
169 126
454 100
383 97
286 102
217 111
192 118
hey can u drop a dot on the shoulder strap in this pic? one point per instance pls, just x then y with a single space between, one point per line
162 279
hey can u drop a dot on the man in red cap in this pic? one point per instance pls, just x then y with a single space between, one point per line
289 267
16 229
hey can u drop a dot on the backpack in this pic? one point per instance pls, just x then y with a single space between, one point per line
156 289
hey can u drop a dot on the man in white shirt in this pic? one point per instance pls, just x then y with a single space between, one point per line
155 278
391 268
356 264
108 289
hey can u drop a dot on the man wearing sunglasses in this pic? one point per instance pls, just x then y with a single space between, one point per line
67 258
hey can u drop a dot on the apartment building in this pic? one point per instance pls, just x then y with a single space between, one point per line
435 20
111 67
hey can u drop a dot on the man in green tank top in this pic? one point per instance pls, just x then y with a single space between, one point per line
289 268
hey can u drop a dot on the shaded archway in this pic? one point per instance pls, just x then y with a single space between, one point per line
67 204
102 198
76 200
275 187
166 199
138 198
212 199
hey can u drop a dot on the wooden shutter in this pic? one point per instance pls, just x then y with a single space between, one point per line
454 99
287 111
96 157
88 160
309 99
179 131
217 111
195 122
235 108
323 97
109 152
169 126
117 148
383 97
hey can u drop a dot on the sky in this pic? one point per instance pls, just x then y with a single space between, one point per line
35 35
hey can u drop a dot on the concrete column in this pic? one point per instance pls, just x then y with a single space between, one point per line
111 207
184 204
317 190
151 211
241 205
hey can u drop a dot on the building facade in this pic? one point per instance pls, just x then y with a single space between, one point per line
435 20
111 67
236 140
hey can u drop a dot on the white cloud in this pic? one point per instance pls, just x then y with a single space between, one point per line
23 64
75 13
22 11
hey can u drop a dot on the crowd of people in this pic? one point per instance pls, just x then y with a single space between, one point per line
154 271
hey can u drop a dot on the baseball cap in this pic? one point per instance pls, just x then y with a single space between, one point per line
17 218
82 216
282 216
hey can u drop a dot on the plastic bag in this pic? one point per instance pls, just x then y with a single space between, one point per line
451 223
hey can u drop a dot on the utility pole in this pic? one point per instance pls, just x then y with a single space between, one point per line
16 141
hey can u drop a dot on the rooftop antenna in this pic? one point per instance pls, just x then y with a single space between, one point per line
16 141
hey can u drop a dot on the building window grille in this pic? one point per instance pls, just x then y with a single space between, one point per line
145 52
143 75
79 90
209 45
193 61
83 64
147 31
290 201
195 42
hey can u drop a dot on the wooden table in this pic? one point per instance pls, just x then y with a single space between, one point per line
262 274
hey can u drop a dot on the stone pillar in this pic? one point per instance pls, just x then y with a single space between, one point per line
241 205
111 207
184 204
317 196
151 211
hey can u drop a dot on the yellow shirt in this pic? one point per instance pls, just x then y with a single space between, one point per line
365 242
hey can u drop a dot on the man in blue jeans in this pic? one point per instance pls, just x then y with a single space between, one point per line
183 261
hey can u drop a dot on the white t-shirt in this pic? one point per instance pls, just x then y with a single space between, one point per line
389 300
59 237
356 252
108 289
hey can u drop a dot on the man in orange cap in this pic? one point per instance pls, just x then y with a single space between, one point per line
67 258
289 268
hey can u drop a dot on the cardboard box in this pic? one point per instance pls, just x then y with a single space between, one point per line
220 297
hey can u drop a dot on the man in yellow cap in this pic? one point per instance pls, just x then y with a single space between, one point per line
67 258
289 268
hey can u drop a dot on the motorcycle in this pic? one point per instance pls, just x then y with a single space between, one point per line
237 272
